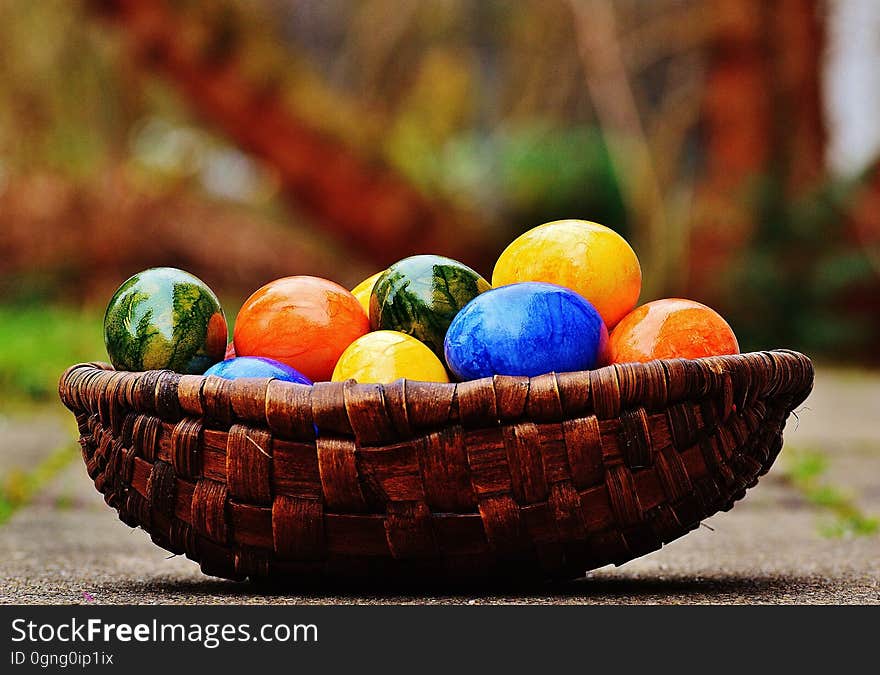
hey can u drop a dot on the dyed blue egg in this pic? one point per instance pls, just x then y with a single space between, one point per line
256 366
527 329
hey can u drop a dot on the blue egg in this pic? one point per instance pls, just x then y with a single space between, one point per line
527 329
256 366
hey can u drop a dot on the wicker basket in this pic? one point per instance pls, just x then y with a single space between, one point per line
548 476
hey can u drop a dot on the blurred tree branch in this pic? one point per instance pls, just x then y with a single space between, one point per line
677 31
378 28
359 200
617 110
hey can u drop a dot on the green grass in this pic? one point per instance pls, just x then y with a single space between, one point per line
37 343
18 487
806 470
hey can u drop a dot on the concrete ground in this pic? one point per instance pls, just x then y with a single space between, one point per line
67 546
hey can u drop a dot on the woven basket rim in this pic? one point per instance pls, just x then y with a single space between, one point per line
717 364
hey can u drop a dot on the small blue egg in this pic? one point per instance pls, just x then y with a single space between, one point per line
528 329
256 366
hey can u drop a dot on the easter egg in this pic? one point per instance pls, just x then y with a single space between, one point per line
586 257
386 355
528 328
668 329
304 322
364 290
256 366
164 318
421 295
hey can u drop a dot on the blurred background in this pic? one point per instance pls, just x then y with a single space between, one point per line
735 143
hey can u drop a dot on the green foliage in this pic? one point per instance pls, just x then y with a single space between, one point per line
796 282
807 467
533 172
37 343
806 471
561 173
856 525
18 488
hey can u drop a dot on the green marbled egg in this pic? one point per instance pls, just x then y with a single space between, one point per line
164 318
421 295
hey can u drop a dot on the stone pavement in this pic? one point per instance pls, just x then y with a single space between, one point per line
27 441
66 546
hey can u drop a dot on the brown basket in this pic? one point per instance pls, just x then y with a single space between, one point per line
546 476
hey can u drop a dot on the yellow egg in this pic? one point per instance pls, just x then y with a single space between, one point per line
386 355
363 290
586 257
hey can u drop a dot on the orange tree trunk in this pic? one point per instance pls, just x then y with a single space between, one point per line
737 129
865 215
798 43
362 202
762 121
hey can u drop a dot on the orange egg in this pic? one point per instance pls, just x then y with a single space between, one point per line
668 329
305 322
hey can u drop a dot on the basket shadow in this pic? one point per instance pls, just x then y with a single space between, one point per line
621 589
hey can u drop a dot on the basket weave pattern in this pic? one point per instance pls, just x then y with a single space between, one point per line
547 476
